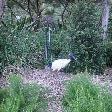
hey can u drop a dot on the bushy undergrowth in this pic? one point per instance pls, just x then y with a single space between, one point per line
83 96
19 97
108 54
108 45
85 35
20 46
110 25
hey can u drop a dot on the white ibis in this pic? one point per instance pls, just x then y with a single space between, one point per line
59 64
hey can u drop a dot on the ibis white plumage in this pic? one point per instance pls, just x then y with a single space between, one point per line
59 64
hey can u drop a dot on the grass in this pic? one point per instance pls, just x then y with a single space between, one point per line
83 96
19 97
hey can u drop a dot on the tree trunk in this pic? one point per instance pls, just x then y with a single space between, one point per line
105 17
2 6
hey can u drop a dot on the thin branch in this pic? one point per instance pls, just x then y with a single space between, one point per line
37 5
2 7
65 9
20 5
4 24
29 10
38 9
11 11
33 6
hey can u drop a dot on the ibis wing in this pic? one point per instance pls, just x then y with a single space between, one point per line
60 63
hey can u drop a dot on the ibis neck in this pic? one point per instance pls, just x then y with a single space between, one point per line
69 60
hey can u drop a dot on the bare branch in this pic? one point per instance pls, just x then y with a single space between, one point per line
65 5
64 12
29 10
34 8
20 5
2 7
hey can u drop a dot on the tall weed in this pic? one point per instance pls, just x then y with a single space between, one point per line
21 97
83 96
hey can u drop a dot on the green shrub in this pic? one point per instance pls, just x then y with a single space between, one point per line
21 97
3 94
60 44
83 96
108 54
19 45
110 26
85 37
108 45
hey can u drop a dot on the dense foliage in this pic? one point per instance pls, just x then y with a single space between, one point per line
108 54
85 36
20 46
83 96
108 45
22 42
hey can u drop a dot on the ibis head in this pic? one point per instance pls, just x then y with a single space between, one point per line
49 65
72 56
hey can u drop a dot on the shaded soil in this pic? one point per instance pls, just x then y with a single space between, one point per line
54 81
104 80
